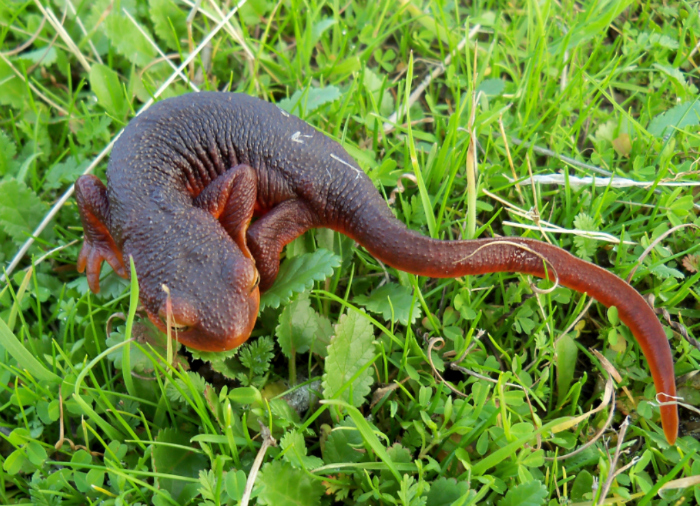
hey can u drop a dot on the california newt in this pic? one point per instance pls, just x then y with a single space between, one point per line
187 176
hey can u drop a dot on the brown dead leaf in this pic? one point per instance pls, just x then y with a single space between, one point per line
691 263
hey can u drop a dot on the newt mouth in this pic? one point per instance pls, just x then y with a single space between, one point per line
174 326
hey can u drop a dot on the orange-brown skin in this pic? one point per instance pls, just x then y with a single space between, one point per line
187 176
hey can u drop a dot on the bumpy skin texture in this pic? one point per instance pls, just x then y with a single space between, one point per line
186 177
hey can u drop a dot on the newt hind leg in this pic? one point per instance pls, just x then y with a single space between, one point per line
267 236
230 198
98 245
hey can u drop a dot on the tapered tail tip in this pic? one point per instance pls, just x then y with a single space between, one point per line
669 422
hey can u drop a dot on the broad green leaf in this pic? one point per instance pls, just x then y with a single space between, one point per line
283 485
245 395
532 493
309 101
45 56
104 82
234 482
298 274
683 115
177 457
583 484
36 453
445 491
491 87
21 210
388 296
350 349
567 353
344 444
298 324
166 16
294 447
14 462
128 39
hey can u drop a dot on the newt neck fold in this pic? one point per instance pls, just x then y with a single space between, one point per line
391 242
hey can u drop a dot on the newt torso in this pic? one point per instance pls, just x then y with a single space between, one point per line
187 176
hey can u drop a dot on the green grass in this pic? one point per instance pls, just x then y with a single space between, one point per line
89 417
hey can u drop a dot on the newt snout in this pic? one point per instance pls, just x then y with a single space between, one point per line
220 325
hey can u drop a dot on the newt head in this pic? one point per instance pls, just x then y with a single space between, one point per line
215 312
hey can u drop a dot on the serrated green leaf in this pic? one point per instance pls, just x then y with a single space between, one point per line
323 337
283 485
222 362
309 100
298 324
128 39
532 493
445 491
166 16
388 296
256 355
678 117
351 348
65 172
21 210
663 271
585 247
207 487
194 381
299 273
104 82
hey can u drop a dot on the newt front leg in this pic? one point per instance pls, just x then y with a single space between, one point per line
99 245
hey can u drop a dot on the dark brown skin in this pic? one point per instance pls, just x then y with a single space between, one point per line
187 176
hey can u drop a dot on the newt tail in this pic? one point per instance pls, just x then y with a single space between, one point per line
391 242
